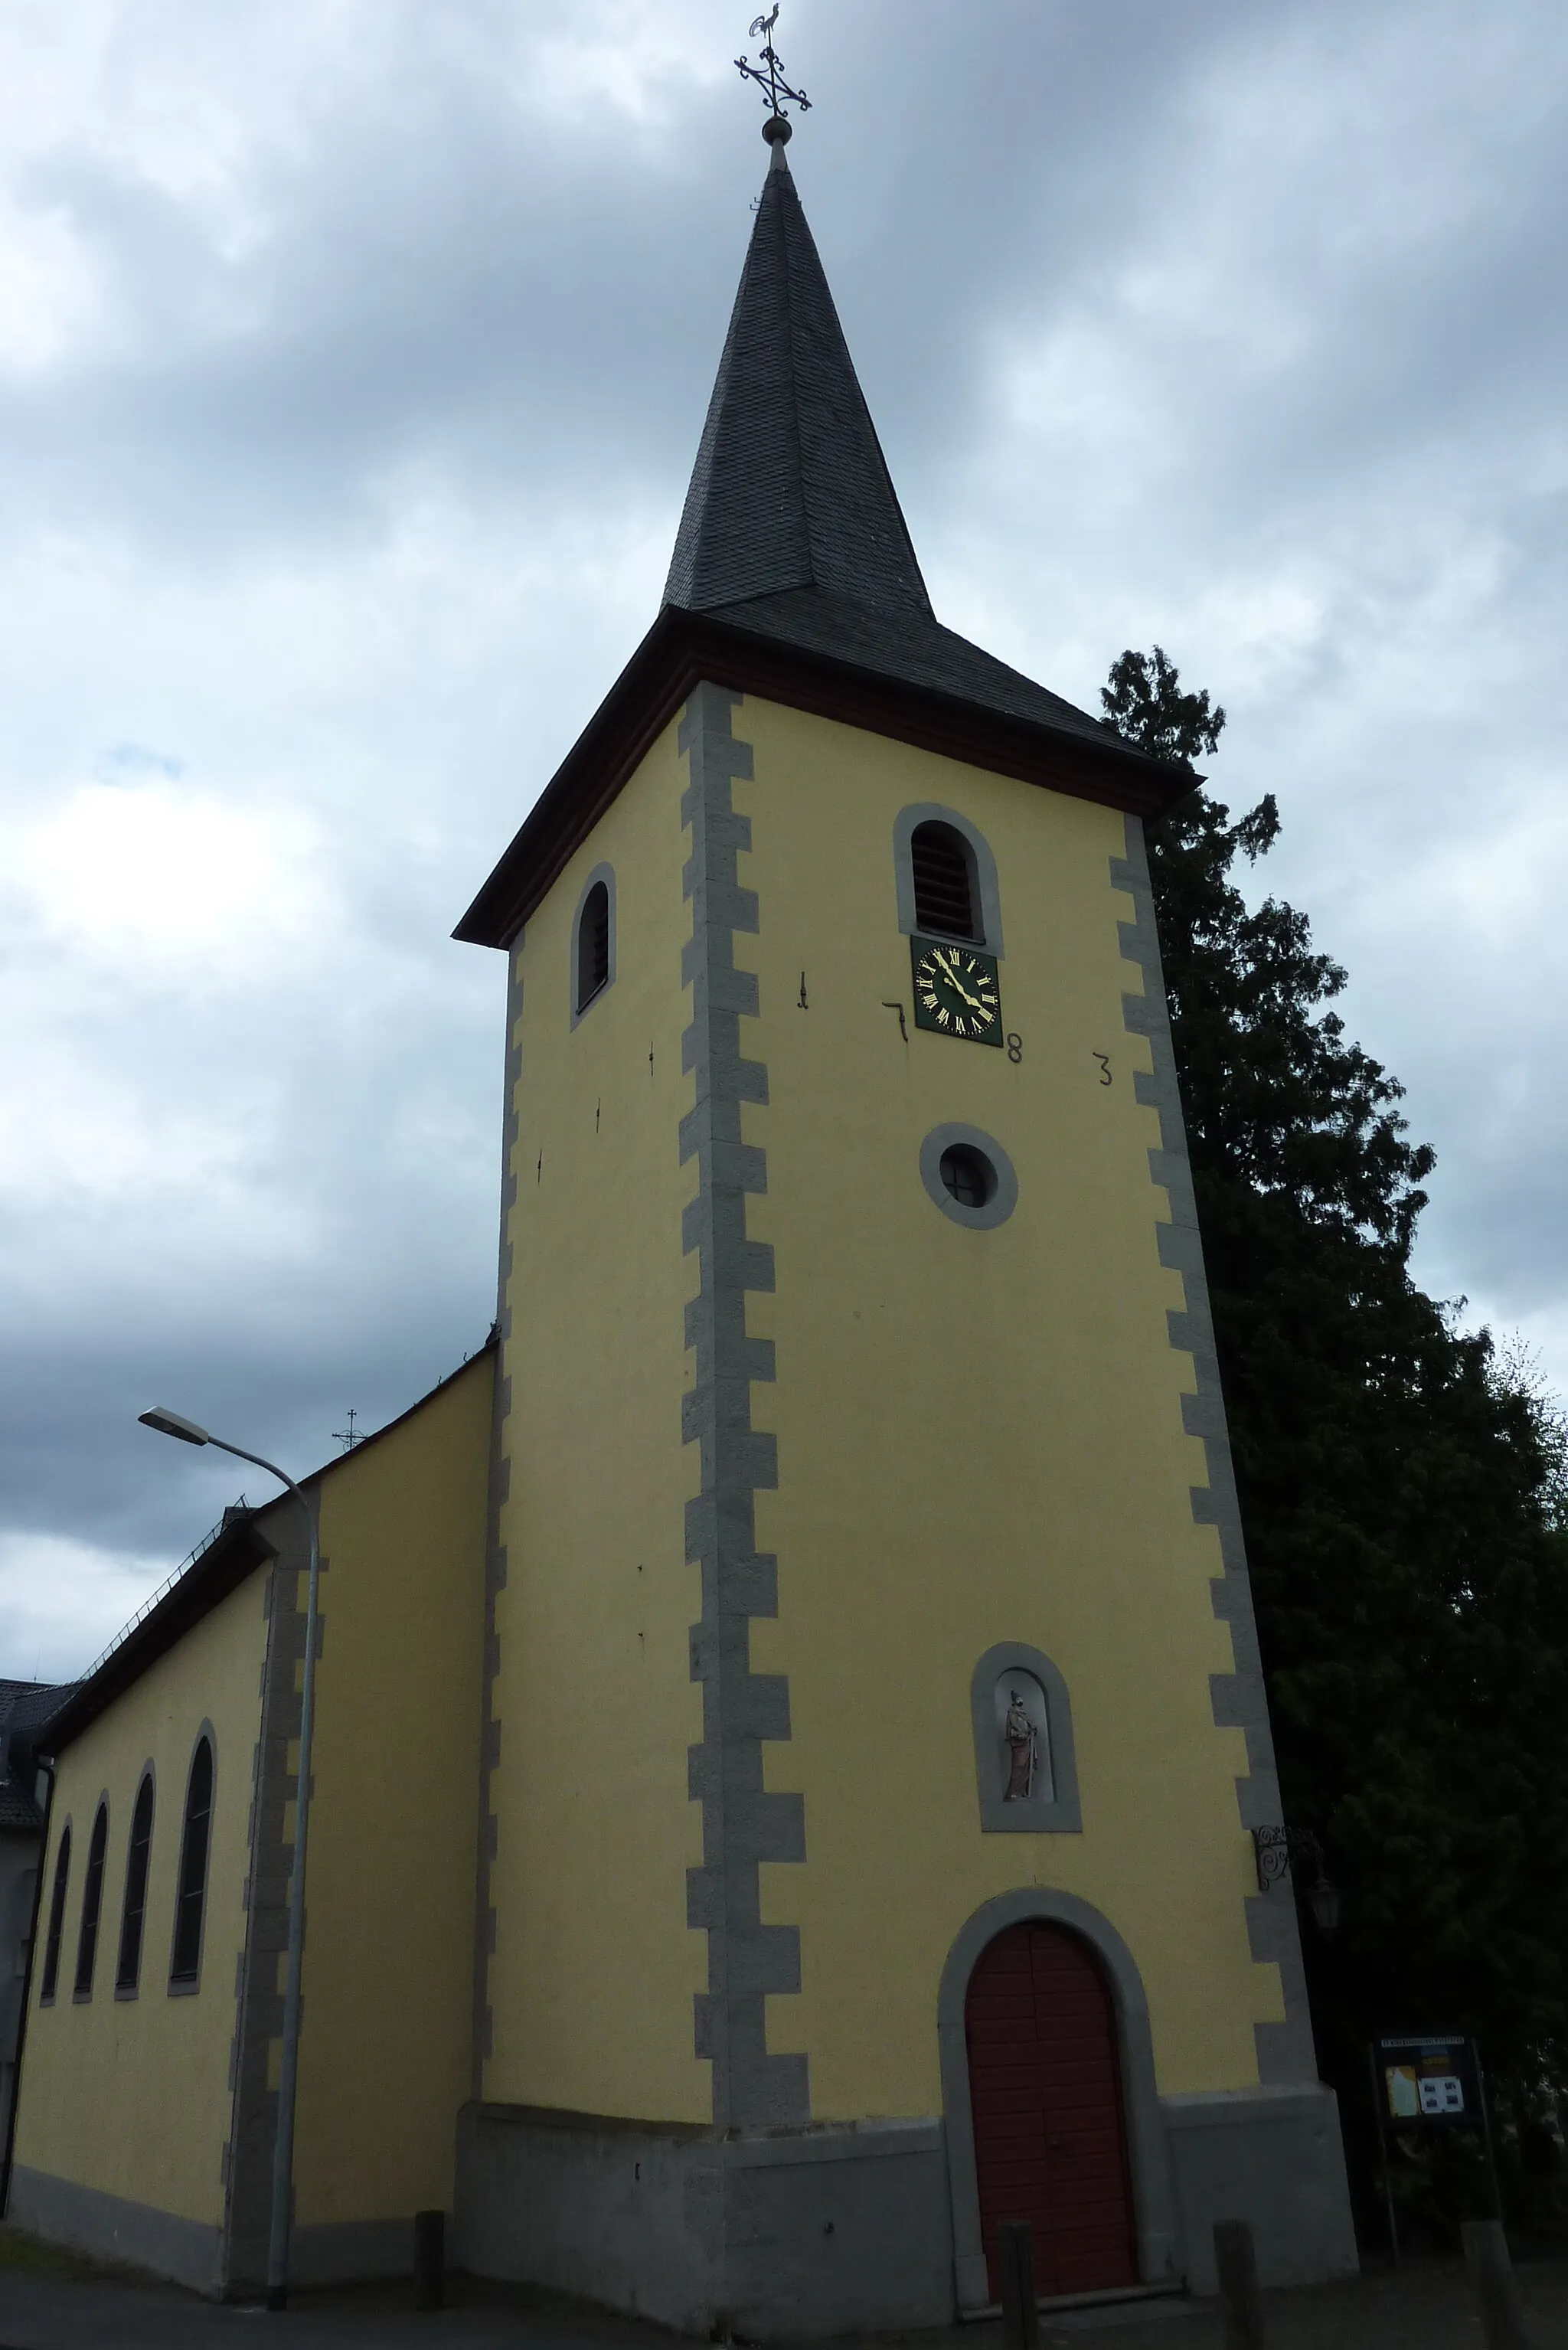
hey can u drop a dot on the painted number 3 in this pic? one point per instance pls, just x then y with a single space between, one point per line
1014 1045
1105 1061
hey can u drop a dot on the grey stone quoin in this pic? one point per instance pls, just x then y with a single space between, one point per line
1285 2051
743 1825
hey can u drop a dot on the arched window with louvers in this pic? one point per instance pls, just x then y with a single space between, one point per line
593 941
943 866
945 878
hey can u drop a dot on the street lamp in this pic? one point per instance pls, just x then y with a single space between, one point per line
1322 1900
172 1423
1275 1848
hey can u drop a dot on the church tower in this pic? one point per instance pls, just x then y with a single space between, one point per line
874 1721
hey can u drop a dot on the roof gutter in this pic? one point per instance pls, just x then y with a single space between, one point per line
237 1552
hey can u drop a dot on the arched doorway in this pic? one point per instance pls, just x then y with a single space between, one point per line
1046 2093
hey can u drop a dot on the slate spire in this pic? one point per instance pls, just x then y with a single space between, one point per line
793 576
791 489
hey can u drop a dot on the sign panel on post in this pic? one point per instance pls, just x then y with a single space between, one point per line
1428 2078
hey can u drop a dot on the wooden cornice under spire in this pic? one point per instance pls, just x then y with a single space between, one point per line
684 648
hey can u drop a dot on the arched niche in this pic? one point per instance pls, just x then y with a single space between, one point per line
1014 1680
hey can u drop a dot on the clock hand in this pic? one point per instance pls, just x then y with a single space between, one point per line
973 1001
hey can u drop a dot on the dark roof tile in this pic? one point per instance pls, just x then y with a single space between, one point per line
17 1809
793 576
790 488
912 651
25 1704
792 527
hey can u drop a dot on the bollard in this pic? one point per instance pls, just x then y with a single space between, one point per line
1236 2259
1497 2293
430 2260
1020 2306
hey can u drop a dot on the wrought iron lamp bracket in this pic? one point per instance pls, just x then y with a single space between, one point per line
1277 1847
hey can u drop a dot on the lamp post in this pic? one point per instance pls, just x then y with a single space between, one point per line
170 1423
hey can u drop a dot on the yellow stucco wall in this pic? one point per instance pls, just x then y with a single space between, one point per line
980 1434
132 2096
980 1439
385 2055
595 1967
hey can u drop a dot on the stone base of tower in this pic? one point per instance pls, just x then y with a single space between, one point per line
845 2230
819 2231
1273 2158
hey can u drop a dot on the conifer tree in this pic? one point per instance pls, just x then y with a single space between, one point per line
1401 1485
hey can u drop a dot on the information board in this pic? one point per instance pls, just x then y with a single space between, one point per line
1428 2079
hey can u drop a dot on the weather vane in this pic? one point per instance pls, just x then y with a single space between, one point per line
351 1436
769 77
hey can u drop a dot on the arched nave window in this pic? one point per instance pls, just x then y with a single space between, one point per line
127 1974
190 1899
92 1905
57 1914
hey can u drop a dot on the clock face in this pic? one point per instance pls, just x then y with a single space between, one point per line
956 991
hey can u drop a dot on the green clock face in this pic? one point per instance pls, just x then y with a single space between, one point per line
956 991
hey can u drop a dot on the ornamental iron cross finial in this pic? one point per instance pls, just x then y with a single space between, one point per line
769 77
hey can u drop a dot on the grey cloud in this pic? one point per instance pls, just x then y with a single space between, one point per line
1239 330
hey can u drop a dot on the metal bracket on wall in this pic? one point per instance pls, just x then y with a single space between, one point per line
1277 1847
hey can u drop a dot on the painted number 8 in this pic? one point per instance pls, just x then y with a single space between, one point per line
1014 1045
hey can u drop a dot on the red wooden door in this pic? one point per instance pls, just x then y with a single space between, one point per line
1045 2091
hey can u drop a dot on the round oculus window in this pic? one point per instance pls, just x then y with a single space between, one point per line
967 1175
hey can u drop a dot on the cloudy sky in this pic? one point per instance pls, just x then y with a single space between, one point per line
352 361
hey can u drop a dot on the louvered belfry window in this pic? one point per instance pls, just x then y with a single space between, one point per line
944 881
593 945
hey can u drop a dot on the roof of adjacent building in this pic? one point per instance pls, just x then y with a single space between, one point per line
794 576
24 1708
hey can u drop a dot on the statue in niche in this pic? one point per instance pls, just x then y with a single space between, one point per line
1019 1733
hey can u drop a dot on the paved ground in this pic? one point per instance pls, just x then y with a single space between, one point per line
1426 2308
